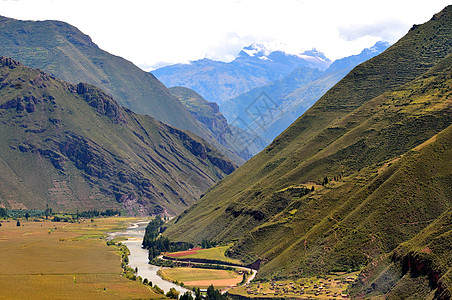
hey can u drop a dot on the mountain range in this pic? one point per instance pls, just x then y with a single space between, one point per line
254 66
62 50
290 96
360 182
73 147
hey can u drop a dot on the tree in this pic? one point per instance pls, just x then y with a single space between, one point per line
197 293
213 294
27 215
18 223
3 212
173 294
186 296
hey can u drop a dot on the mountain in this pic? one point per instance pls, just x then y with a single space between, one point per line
63 51
292 95
73 147
207 113
218 81
376 148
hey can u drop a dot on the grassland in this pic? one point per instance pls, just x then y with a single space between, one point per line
214 254
47 260
201 278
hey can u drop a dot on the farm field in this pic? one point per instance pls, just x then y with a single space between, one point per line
52 260
216 253
202 278
333 286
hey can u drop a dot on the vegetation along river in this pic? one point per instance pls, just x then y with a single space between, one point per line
138 257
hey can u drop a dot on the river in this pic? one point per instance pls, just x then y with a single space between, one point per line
138 257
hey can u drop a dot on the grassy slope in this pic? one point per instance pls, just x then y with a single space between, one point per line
364 129
59 150
333 136
62 50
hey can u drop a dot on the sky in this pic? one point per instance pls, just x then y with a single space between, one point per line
155 33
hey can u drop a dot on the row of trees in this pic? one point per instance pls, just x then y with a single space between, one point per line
156 244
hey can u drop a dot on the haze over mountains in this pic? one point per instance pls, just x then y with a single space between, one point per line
377 149
74 147
254 66
292 95
261 92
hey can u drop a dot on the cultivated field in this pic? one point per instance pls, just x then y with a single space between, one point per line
217 253
202 278
50 260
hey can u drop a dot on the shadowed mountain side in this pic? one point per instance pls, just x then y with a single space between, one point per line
74 147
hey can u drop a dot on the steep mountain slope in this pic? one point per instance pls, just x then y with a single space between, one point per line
294 94
254 66
239 141
204 111
63 51
73 147
373 136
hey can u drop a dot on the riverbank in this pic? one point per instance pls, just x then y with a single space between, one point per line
138 257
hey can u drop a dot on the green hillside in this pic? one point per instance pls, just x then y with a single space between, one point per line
361 140
73 147
65 52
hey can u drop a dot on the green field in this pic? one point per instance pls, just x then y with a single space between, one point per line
48 260
202 278
216 253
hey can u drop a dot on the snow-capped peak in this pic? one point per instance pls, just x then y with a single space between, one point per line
257 50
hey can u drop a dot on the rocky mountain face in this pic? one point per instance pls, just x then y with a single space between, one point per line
74 147
254 67
289 97
63 51
376 149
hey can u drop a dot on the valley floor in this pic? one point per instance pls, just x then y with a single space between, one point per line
52 260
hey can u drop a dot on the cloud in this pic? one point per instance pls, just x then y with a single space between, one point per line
152 33
388 30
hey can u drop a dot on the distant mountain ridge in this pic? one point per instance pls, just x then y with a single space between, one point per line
292 95
240 141
73 147
254 66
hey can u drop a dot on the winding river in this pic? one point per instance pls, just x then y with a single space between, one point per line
138 257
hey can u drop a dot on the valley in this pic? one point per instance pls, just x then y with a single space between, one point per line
269 175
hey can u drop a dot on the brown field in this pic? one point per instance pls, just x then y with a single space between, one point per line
46 260
202 278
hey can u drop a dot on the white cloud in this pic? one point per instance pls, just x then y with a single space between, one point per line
152 33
